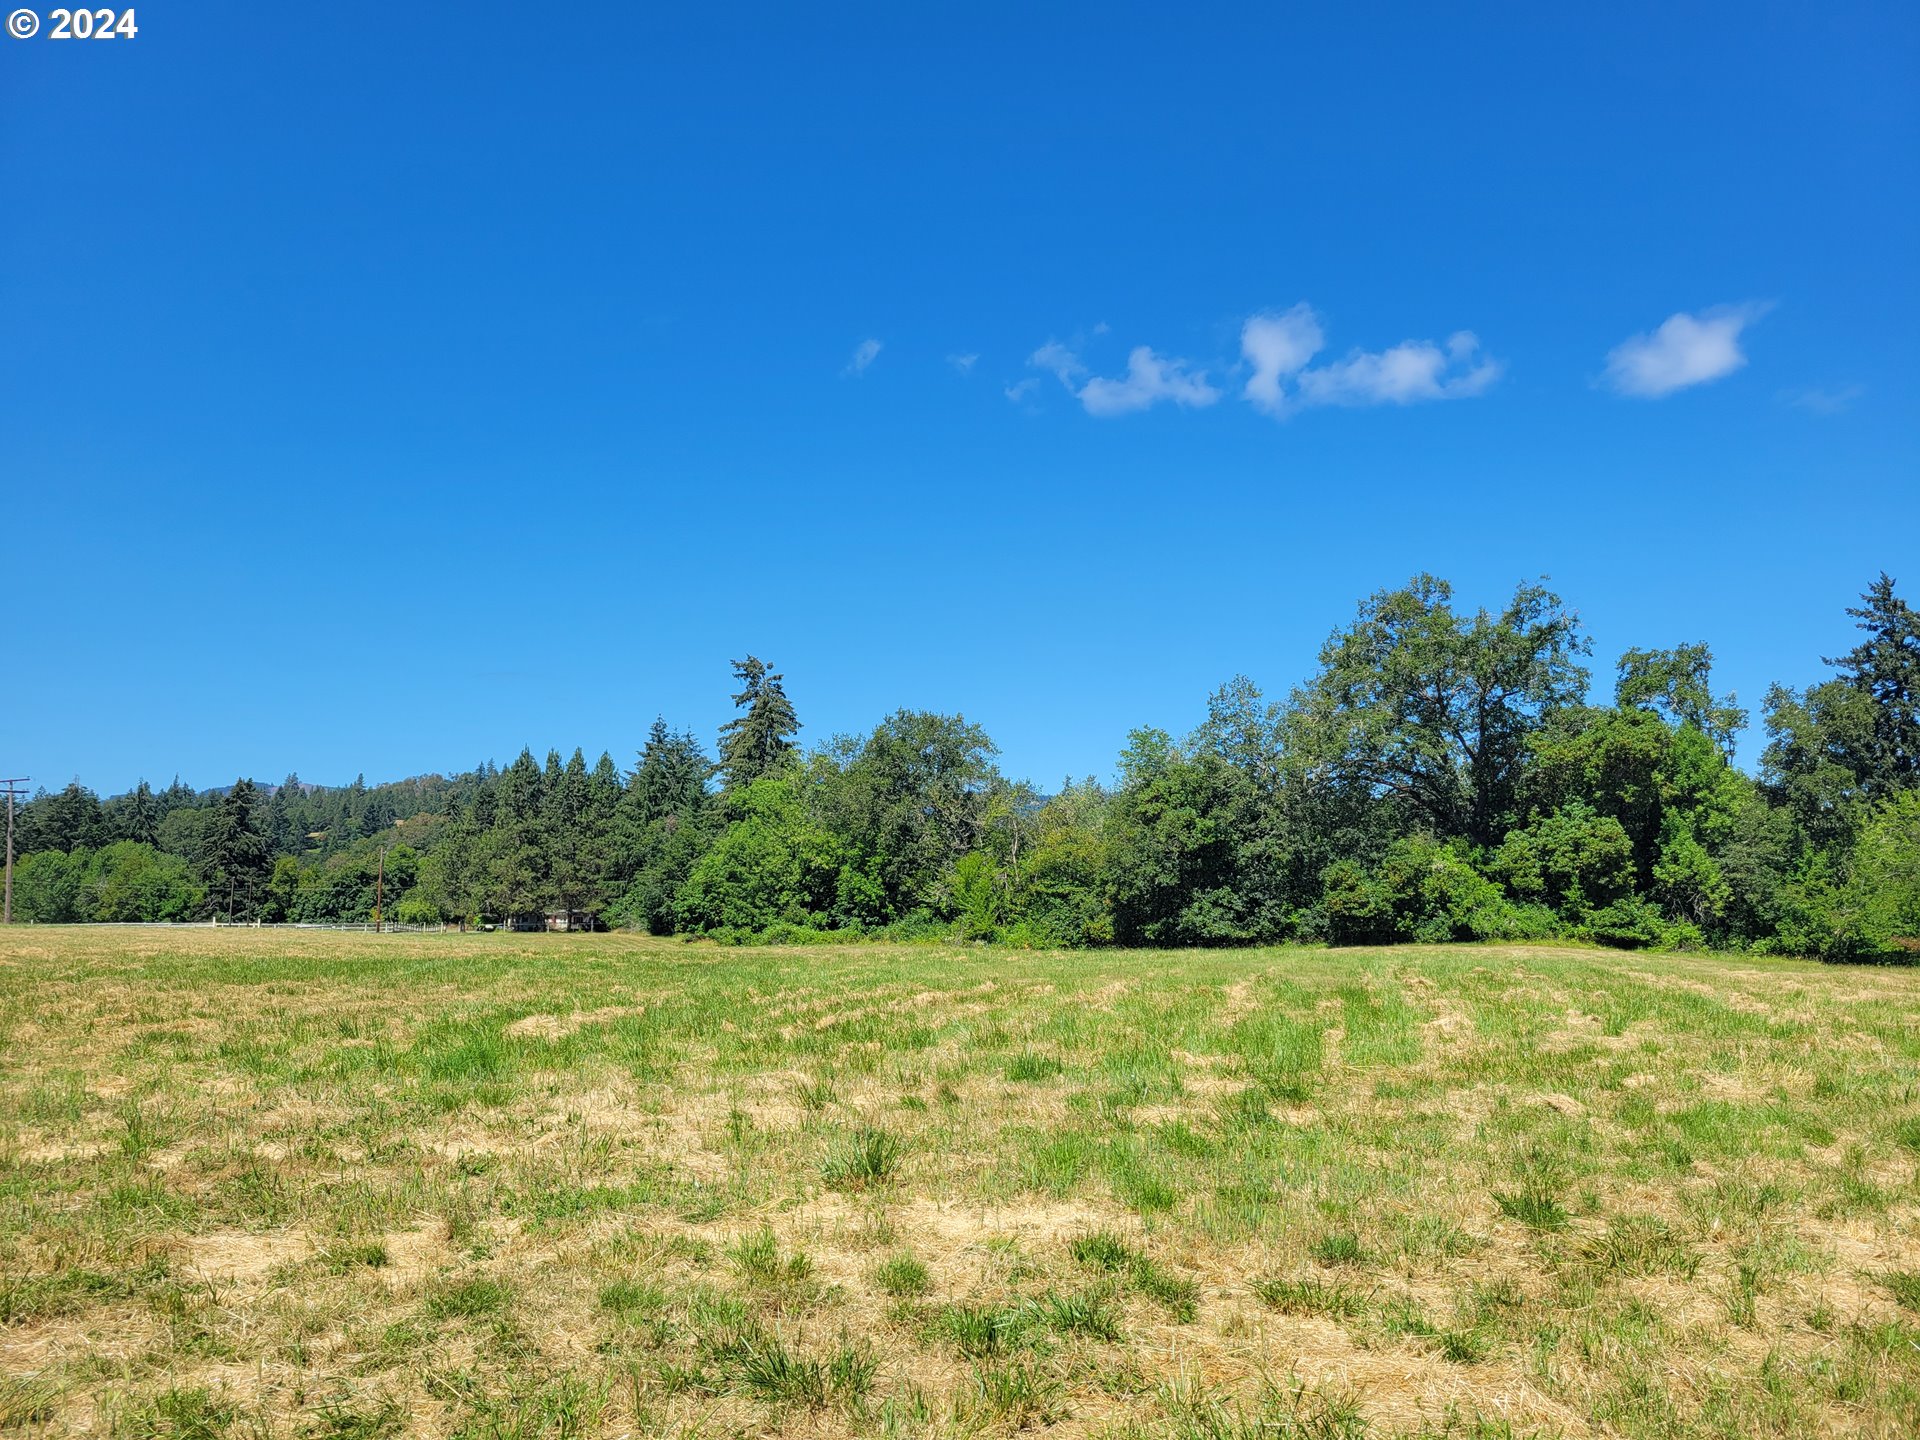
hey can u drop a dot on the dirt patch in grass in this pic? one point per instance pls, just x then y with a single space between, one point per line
54 1152
559 1027
414 1255
1238 1002
241 1256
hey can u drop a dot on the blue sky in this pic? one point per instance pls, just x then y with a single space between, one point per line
383 388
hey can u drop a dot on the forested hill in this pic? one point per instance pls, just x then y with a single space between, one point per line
1444 775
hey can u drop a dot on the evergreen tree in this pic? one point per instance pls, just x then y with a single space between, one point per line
755 742
1886 667
346 826
236 859
376 814
510 853
662 826
671 778
70 819
135 815
569 837
1837 747
606 781
285 833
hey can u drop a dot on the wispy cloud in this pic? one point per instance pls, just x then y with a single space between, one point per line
1279 347
1061 362
963 363
1411 371
1150 379
864 354
1686 350
1818 400
1021 391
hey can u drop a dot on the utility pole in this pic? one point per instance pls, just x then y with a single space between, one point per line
13 789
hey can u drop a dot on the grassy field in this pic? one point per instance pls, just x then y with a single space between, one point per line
270 1184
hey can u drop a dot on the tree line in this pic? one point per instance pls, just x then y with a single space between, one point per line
1444 775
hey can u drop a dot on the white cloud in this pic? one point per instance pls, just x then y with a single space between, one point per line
963 363
1277 348
1686 350
864 355
1058 359
1150 378
1411 371
1022 390
1280 345
1817 400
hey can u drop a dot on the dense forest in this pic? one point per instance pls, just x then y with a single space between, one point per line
1444 775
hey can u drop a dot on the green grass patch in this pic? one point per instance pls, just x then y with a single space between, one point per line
1310 1295
861 1159
902 1276
1029 1066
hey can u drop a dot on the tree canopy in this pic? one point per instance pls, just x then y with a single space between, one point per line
1443 774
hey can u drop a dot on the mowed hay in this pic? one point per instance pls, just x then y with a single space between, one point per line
255 1183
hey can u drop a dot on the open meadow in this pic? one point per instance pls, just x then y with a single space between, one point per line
263 1184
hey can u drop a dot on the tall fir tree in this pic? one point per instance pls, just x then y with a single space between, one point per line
68 819
285 833
1886 667
136 816
671 778
236 859
759 739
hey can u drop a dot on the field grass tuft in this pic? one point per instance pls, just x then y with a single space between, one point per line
866 1157
903 1276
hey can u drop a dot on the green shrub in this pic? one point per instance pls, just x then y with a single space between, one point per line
1422 890
416 910
1572 860
1626 924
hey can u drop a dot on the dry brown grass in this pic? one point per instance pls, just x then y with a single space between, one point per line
255 1183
